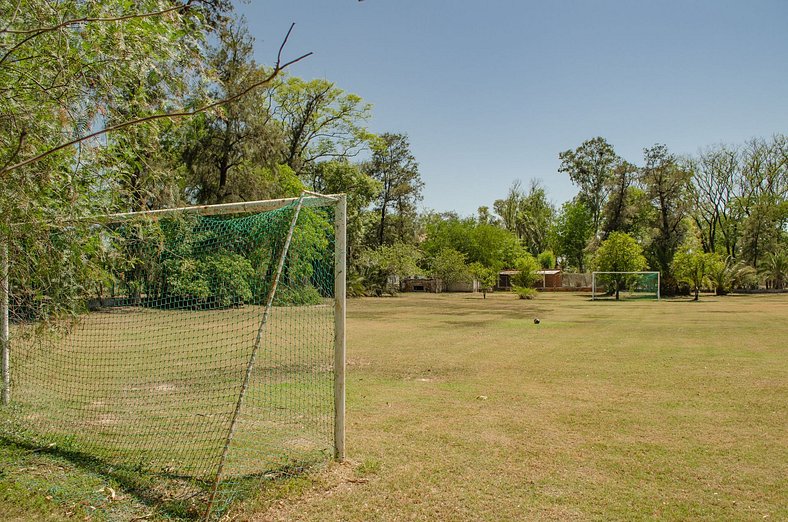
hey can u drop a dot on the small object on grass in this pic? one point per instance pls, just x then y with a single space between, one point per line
482 397
536 320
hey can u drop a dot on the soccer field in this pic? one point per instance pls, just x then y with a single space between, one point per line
461 408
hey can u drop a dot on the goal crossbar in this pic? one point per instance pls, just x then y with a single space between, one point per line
594 275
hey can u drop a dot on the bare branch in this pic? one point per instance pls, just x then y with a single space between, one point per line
278 68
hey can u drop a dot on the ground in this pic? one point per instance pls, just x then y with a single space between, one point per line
462 408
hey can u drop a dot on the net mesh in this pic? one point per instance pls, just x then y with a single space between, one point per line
630 285
131 340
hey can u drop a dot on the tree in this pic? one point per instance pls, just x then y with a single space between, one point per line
619 253
489 245
667 184
713 191
233 153
397 260
395 167
572 231
590 167
694 267
619 210
320 121
487 277
449 266
527 265
529 216
546 260
774 269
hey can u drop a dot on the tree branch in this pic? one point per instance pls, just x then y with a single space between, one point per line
278 68
88 19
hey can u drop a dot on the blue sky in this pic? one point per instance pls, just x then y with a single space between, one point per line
492 91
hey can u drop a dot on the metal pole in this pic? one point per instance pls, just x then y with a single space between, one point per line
659 283
340 269
593 286
4 319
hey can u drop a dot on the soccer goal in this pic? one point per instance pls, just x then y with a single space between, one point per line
625 285
193 350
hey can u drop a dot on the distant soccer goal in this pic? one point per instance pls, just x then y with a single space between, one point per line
189 352
625 285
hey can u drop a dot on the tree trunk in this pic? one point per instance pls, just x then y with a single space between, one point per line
697 293
616 290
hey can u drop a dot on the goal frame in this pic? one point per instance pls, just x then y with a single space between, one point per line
594 274
307 199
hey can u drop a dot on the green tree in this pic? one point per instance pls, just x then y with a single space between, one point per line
449 266
590 167
546 260
320 121
617 215
619 253
528 215
487 277
395 167
695 267
572 231
667 184
774 269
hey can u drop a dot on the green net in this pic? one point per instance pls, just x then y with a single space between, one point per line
630 285
131 342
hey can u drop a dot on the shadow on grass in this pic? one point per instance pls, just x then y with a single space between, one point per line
169 495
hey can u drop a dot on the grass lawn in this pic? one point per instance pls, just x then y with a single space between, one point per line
461 408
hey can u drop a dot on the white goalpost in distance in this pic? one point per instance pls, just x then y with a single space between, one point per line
644 282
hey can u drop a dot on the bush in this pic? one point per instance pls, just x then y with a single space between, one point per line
525 292
300 296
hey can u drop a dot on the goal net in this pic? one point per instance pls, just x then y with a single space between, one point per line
625 285
186 352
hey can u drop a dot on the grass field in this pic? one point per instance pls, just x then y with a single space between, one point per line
461 408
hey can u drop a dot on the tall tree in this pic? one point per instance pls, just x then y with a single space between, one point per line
590 167
528 215
619 209
232 154
320 121
714 189
619 253
572 232
395 167
667 184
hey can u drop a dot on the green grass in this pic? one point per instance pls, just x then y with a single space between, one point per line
461 408
634 410
144 397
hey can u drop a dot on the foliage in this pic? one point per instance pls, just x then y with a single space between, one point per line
695 267
319 121
487 277
590 167
774 269
394 166
732 274
489 245
527 265
619 253
524 292
546 259
571 233
528 216
667 183
449 266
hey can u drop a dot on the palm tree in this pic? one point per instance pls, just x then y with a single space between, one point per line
774 269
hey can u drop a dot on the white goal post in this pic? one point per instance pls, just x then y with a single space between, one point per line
595 274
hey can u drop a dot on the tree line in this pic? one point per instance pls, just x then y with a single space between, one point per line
118 107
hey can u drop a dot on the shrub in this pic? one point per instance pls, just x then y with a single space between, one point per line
524 292
299 296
